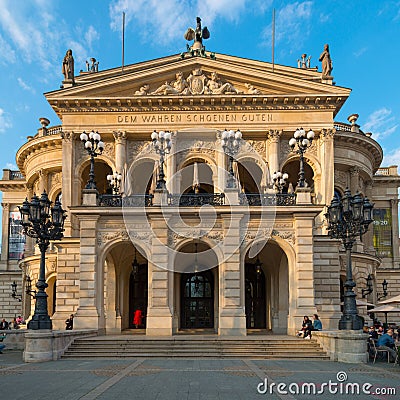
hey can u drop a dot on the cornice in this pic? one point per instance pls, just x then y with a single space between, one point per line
363 144
206 103
52 142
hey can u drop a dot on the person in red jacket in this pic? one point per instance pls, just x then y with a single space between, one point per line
137 318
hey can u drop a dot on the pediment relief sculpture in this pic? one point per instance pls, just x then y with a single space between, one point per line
196 83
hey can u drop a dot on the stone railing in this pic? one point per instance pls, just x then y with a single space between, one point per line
9 175
116 200
196 200
387 171
266 199
53 130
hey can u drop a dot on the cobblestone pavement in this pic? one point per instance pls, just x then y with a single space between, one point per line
233 379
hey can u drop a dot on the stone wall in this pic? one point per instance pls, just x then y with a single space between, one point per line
10 307
327 281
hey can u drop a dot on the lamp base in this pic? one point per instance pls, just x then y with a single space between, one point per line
351 322
40 322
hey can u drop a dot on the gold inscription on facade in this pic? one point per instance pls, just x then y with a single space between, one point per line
194 118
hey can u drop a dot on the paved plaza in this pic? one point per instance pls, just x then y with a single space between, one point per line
213 379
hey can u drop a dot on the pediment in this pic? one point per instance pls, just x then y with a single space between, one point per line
197 77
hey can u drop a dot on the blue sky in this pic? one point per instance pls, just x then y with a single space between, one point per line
363 38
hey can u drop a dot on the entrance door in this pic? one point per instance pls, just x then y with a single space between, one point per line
138 294
255 298
197 300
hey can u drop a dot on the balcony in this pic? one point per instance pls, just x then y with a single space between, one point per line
267 199
196 200
116 200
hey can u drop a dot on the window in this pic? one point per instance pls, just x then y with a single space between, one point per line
16 238
383 232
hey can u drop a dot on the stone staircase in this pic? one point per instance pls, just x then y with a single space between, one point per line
188 346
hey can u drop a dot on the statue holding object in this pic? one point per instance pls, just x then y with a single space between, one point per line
325 58
68 66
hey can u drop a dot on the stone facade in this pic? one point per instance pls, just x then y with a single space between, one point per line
226 263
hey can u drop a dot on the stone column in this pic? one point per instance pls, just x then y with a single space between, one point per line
327 155
43 184
159 315
368 237
273 141
5 229
67 177
120 150
301 297
30 242
354 180
170 162
395 230
232 318
87 315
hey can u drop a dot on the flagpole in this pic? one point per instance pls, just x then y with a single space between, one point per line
273 39
123 41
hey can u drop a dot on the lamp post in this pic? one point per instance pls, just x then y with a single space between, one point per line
369 289
44 224
279 180
28 289
303 141
114 180
162 145
94 146
349 217
231 142
382 295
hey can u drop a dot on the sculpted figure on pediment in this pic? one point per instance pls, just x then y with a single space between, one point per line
251 89
216 86
143 91
179 86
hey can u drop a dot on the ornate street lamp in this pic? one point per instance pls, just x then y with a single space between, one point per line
231 143
385 292
162 145
94 146
369 289
114 180
279 180
44 224
28 289
303 141
349 217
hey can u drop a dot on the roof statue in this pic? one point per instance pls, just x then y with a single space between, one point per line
68 67
94 66
305 62
325 58
197 34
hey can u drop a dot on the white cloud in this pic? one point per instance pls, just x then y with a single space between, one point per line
8 54
381 123
162 22
25 86
91 35
391 158
292 25
5 122
360 52
39 35
11 166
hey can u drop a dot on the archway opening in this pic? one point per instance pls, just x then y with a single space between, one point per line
101 170
196 177
267 288
292 168
196 282
250 176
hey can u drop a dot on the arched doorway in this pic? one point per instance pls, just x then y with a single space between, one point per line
292 168
255 297
101 170
197 300
138 292
196 287
267 288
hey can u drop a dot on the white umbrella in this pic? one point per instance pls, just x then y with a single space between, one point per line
196 182
385 309
395 299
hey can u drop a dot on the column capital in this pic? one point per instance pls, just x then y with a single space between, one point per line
327 134
354 171
67 137
6 206
273 135
119 136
